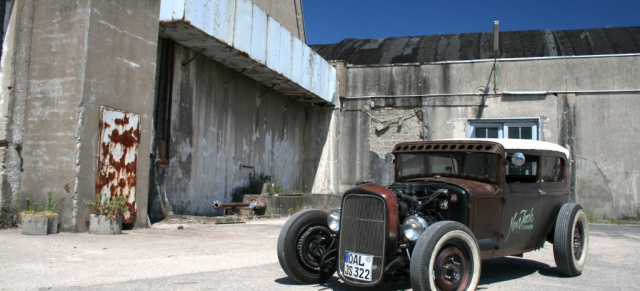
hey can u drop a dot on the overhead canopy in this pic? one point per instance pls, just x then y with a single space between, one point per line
239 35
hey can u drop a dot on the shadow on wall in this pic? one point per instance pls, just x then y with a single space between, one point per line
592 190
382 169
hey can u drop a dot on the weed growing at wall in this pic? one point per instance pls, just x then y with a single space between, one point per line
276 187
625 219
33 208
111 207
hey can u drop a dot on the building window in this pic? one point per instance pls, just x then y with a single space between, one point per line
504 128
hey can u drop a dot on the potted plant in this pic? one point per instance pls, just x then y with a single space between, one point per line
37 222
106 214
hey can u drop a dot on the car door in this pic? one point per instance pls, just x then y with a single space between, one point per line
521 210
554 190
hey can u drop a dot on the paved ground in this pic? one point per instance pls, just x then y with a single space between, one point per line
243 257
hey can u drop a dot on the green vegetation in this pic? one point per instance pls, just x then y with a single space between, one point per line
105 205
625 219
276 187
50 208
271 186
300 190
33 208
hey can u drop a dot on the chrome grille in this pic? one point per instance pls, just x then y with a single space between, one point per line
363 230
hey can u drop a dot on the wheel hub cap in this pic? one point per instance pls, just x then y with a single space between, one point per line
577 241
451 270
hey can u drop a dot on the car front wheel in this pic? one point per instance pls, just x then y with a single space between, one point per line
446 257
306 250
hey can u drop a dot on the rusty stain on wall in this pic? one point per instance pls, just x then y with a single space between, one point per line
118 157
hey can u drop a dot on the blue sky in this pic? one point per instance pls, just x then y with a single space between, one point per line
330 21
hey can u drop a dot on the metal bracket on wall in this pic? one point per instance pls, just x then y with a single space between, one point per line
194 57
226 82
284 107
265 91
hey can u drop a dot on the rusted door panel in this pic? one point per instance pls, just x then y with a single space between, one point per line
118 157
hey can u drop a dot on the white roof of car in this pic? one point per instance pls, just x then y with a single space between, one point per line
526 144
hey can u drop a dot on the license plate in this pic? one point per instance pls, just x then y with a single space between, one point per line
357 266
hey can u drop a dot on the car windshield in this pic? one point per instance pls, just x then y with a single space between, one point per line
473 165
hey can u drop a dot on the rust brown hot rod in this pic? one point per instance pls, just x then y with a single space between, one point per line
453 204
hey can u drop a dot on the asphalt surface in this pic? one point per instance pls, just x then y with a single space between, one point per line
243 257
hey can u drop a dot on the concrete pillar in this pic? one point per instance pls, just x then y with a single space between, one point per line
68 59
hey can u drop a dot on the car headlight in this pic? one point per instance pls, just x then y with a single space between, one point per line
413 226
334 220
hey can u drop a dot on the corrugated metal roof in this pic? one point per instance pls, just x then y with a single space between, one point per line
475 46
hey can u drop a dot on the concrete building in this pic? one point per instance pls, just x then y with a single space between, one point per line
576 88
170 103
177 103
70 70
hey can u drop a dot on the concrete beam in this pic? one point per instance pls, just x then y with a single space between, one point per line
239 35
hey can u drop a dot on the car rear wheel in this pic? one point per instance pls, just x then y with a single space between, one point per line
446 257
305 247
571 240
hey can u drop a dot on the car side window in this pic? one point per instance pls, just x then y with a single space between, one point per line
526 173
552 169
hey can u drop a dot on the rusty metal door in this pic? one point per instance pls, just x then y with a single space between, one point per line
118 157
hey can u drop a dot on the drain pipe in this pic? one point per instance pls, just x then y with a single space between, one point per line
496 52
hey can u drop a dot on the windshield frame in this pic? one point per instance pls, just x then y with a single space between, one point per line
438 163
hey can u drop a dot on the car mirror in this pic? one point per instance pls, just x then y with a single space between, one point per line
517 159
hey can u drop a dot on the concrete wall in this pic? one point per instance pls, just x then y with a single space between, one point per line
52 111
223 123
288 13
13 73
577 105
120 74
80 56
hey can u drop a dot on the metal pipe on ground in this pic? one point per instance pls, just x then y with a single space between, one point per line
257 206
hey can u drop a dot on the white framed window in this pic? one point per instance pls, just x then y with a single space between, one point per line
515 128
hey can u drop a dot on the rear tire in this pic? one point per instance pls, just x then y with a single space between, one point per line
571 240
446 257
303 243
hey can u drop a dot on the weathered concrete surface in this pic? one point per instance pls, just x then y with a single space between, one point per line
6 68
606 130
15 70
226 127
584 104
54 92
288 13
102 224
35 224
243 257
243 37
84 55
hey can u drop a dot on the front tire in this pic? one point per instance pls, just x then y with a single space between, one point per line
571 240
446 257
304 245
